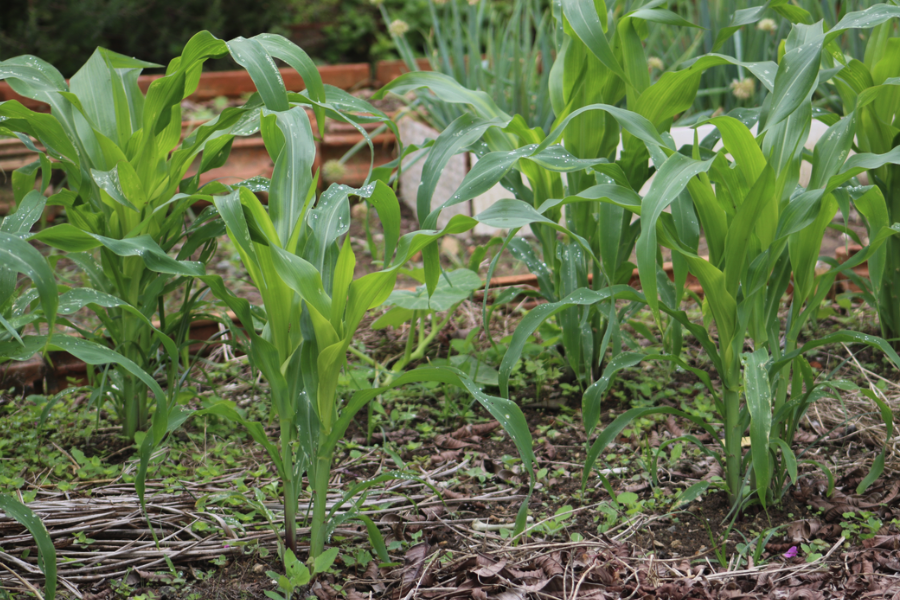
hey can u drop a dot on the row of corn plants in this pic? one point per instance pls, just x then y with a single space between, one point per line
738 188
575 180
135 243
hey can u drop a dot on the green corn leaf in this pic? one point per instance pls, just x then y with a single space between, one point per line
864 19
873 474
382 197
506 412
887 417
32 77
861 162
292 174
375 538
522 250
621 422
76 299
329 220
447 89
739 142
831 151
513 214
661 16
454 287
29 211
760 203
559 160
483 175
582 16
46 551
790 459
533 320
740 18
801 211
758 394
18 256
797 74
671 179
366 293
45 128
251 54
69 238
635 124
804 247
853 337
395 317
613 194
343 276
460 134
590 402
693 492
283 49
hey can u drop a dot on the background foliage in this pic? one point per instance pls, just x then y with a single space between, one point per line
66 33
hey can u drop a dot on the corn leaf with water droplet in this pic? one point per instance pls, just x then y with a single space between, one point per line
69 238
797 74
671 179
460 134
447 89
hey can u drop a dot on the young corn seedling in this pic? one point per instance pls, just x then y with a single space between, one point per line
762 231
299 257
600 64
125 198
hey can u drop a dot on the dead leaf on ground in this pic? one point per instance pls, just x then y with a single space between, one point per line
445 441
414 564
480 429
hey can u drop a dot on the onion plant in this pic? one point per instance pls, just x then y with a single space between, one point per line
509 56
750 31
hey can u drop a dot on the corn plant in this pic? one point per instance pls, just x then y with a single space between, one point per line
299 257
868 91
600 64
35 309
762 231
125 196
